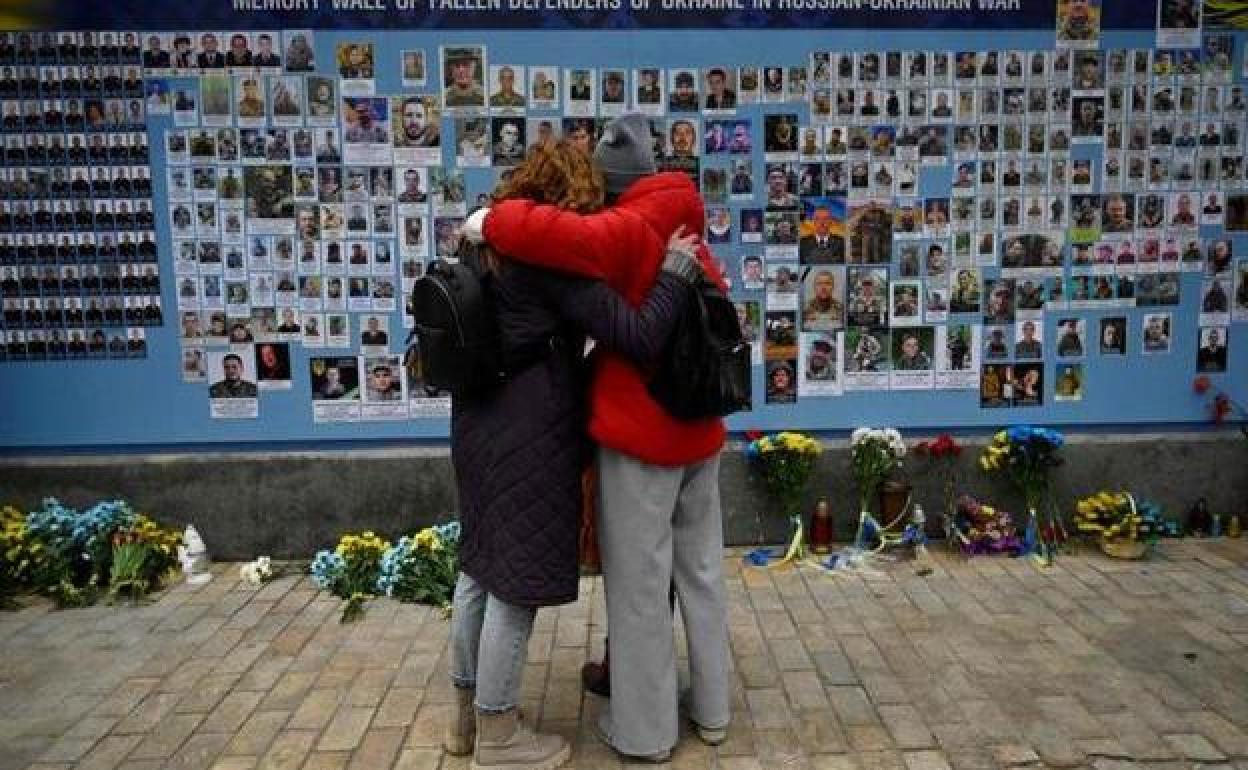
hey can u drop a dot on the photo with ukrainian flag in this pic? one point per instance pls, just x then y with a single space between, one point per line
822 231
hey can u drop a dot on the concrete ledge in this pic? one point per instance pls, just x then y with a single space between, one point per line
288 504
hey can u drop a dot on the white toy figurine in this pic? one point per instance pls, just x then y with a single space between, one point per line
194 557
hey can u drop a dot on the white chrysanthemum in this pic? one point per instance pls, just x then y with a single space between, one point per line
859 435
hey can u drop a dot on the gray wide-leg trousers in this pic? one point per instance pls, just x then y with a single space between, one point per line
660 526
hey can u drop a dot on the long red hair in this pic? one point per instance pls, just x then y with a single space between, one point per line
557 173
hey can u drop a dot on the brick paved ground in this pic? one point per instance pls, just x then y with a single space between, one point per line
981 664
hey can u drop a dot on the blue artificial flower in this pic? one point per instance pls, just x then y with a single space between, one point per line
449 533
327 569
394 562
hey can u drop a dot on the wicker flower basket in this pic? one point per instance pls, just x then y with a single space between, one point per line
1124 548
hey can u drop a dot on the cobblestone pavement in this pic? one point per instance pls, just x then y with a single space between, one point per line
981 664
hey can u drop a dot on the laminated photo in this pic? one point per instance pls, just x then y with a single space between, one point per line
356 65
194 367
286 100
957 364
912 359
780 137
233 393
272 366
269 199
313 330
905 303
412 68
322 95
507 89
366 130
1068 384
648 91
335 388
472 141
580 97
507 137
416 123
384 383
683 91
613 90
819 365
447 187
749 316
158 97
544 88
238 53
215 100
719 90
1178 24
866 358
822 303
783 283
463 79
1215 301
936 301
781 381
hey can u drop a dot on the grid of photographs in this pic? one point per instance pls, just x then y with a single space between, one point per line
894 220
301 207
79 273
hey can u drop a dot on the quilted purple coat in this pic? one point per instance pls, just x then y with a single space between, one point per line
518 453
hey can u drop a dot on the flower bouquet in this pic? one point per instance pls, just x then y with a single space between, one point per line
350 571
1027 455
1125 527
79 547
786 460
422 568
943 452
142 554
874 454
20 556
982 529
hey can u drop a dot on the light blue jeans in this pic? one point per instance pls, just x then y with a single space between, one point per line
489 645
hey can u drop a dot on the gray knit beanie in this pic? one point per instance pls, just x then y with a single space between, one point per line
625 152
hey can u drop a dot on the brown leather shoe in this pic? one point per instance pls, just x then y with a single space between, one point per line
596 678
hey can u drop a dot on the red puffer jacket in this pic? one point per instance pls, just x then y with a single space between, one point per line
625 246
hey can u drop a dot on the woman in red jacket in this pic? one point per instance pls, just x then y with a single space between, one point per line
659 513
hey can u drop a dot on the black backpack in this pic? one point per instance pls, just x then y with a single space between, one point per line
456 330
705 368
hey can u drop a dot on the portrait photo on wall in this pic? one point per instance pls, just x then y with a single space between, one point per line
463 77
867 350
507 88
412 68
334 378
822 228
232 374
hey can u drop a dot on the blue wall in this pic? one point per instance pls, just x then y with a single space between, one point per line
69 405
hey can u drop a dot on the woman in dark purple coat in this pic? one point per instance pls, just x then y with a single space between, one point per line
518 453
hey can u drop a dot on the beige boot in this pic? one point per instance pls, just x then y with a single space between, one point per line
506 743
461 728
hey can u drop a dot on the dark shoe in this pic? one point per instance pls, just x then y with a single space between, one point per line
596 678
